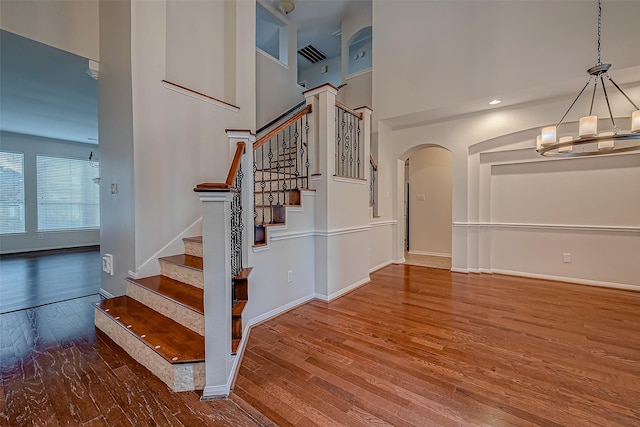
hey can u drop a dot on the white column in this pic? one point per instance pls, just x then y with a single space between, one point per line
216 234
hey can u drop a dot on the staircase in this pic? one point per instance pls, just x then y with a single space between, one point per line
160 320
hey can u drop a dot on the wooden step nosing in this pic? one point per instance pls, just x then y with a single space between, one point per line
168 298
178 264
141 340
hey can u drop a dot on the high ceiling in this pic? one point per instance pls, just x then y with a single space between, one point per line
319 21
46 91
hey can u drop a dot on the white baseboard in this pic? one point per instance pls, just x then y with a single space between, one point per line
213 392
106 294
427 253
569 280
380 266
338 294
459 270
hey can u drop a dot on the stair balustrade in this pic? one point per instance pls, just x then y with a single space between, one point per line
280 170
373 190
349 150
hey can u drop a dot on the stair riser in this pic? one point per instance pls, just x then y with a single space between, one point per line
267 217
193 248
284 197
181 314
178 377
182 274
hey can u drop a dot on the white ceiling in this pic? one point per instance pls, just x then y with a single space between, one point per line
46 91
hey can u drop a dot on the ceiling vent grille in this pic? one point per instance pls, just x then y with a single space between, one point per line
312 54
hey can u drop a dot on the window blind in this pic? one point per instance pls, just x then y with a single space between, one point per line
67 196
11 192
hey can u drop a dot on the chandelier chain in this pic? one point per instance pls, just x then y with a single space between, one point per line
599 28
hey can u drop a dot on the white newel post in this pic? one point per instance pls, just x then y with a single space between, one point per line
216 235
216 244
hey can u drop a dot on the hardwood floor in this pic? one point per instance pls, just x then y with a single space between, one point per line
33 279
422 347
416 347
56 370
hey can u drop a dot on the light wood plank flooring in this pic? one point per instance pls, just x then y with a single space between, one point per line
427 347
416 347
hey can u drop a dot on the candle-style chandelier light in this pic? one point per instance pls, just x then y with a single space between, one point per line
591 142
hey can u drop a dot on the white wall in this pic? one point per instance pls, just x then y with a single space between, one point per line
32 239
180 141
430 202
359 86
115 118
314 77
275 82
68 25
423 107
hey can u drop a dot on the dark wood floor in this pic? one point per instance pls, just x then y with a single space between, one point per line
426 347
56 370
416 347
33 279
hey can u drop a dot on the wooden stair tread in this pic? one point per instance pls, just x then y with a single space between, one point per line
195 239
179 292
238 308
244 274
190 261
174 342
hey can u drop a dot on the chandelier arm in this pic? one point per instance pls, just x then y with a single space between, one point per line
573 103
613 122
622 92
593 95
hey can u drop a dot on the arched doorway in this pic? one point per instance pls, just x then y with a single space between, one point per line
428 206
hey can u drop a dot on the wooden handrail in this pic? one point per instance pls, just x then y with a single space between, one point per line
226 186
373 163
235 164
280 117
259 143
204 95
349 110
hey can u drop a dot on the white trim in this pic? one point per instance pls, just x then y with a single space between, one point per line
380 266
349 180
438 254
216 196
276 60
47 248
459 270
316 177
154 257
213 392
383 223
292 235
399 261
561 227
359 73
339 231
569 280
106 294
221 104
341 292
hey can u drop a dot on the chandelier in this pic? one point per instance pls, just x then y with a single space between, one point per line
589 141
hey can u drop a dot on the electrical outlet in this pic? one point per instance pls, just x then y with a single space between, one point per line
107 263
289 276
566 258
114 188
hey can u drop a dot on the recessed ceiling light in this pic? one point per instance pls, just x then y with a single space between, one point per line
495 102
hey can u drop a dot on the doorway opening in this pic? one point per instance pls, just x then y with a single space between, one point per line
428 207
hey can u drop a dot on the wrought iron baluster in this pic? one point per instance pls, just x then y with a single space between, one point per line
296 134
270 198
358 151
306 163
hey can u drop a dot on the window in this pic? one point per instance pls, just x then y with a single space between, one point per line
11 193
271 35
67 196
